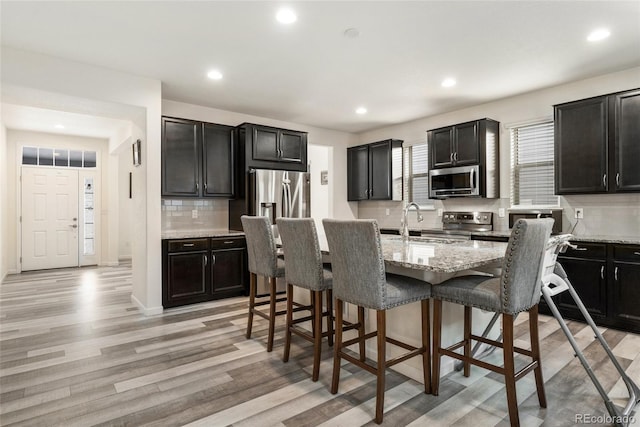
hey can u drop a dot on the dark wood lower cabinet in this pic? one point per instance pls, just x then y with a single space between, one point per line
197 270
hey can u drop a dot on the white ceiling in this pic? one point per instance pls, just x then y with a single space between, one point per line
310 73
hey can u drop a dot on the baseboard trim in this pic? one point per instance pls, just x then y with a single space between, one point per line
125 258
151 311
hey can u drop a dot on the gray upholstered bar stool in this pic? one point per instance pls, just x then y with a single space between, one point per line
304 269
516 290
359 278
263 261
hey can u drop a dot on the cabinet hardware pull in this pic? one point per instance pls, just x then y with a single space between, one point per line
615 273
451 157
188 245
206 261
580 249
618 180
637 253
213 259
197 186
602 272
228 242
205 186
604 180
455 156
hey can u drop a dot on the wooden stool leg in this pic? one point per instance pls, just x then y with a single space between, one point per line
382 363
337 348
287 332
252 302
313 307
437 328
317 334
509 369
467 340
426 343
535 349
330 318
363 351
272 313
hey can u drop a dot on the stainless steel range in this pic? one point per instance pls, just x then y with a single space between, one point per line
460 225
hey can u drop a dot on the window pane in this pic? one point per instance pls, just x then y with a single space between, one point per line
416 167
29 156
89 159
61 157
75 159
45 156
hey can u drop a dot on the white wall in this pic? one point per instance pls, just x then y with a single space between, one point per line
328 145
31 72
508 111
4 225
125 204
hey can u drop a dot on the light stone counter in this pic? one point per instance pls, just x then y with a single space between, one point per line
192 234
595 238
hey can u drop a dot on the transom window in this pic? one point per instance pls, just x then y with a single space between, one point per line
58 157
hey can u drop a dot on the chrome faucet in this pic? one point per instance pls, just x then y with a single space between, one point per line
404 224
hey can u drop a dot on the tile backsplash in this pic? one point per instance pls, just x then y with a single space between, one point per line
609 214
212 214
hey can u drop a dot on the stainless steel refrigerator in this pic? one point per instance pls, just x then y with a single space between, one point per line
274 194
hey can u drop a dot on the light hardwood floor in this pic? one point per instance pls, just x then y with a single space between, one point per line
74 351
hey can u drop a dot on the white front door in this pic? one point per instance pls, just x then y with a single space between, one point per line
49 218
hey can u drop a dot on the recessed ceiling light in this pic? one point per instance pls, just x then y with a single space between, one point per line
59 126
351 33
599 34
286 16
361 110
214 75
448 82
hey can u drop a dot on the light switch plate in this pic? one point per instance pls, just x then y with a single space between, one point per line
501 212
440 212
194 213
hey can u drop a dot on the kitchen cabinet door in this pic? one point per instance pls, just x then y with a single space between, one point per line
293 146
218 160
625 296
187 278
441 143
228 272
589 279
180 157
581 132
265 143
627 141
467 147
380 170
358 173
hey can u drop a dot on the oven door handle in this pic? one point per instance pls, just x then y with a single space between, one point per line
473 179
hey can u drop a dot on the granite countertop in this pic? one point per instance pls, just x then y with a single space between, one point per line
596 238
441 255
191 234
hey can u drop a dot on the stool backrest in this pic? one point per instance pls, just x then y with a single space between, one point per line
357 261
301 252
522 267
261 246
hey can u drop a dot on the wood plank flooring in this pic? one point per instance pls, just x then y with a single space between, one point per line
74 351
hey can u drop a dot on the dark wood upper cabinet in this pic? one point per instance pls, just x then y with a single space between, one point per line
266 147
180 157
462 144
218 166
198 159
627 140
596 148
374 171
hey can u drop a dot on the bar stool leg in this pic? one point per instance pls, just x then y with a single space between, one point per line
272 313
426 343
337 348
252 302
330 318
535 349
362 343
317 334
437 325
287 334
467 340
382 363
509 369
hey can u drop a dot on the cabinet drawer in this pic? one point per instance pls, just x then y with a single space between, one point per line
626 253
227 242
587 250
188 245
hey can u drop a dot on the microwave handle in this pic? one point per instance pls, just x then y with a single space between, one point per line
473 178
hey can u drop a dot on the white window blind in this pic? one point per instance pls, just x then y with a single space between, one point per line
532 165
416 171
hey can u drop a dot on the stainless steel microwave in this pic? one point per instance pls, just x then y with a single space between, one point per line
556 214
461 181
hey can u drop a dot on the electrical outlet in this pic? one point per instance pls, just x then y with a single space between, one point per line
387 211
501 212
440 212
579 213
194 213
